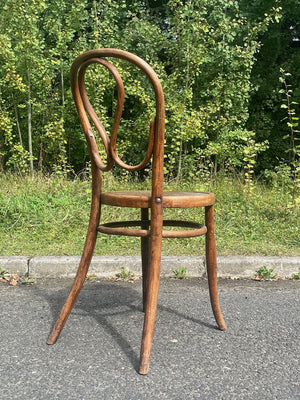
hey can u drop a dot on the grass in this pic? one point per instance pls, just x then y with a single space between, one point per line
47 216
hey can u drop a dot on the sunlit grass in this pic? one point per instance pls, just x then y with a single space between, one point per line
47 216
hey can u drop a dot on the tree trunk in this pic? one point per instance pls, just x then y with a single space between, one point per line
17 119
29 116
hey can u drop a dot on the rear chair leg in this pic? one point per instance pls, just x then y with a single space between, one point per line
211 264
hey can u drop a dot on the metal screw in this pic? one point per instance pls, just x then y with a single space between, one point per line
90 132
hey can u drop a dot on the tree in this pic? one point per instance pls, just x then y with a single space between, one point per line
204 52
211 56
26 44
280 49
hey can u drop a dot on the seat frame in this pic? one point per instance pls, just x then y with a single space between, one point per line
150 229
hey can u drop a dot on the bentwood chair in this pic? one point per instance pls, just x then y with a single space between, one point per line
150 230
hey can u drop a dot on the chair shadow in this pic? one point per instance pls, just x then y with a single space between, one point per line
180 315
102 300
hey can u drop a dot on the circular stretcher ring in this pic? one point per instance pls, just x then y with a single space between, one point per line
123 228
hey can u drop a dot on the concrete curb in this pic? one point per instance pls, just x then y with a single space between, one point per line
104 266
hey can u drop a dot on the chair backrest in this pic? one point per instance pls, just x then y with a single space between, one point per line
85 109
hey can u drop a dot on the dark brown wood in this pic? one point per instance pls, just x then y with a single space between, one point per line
149 229
122 228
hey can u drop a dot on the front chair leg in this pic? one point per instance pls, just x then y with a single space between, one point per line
85 260
151 304
145 244
149 321
211 265
76 287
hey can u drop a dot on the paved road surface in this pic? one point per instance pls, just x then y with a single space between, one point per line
96 356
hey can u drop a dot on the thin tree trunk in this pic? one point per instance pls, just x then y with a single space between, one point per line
29 116
17 119
62 81
62 149
180 157
187 84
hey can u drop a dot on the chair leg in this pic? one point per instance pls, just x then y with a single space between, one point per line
145 243
211 264
151 303
84 263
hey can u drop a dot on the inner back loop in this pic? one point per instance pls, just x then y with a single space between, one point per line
110 143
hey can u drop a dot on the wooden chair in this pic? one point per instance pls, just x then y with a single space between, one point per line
151 230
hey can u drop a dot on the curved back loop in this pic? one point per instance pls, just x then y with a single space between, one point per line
85 108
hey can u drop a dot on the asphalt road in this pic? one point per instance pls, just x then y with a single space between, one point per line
96 356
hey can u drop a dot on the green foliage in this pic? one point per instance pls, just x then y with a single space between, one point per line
91 277
125 275
28 281
180 273
215 56
3 274
265 273
293 162
33 78
279 49
296 276
203 51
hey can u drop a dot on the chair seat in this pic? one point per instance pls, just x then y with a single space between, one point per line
171 199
